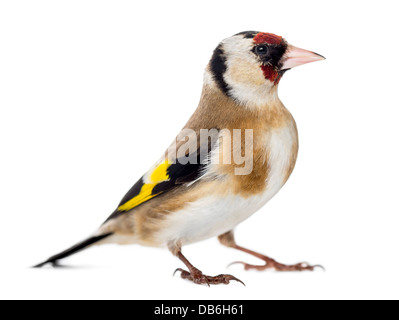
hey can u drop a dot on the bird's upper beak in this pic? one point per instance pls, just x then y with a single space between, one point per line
296 57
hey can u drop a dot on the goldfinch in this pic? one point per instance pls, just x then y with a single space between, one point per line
235 153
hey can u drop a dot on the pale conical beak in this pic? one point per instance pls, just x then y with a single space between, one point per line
296 57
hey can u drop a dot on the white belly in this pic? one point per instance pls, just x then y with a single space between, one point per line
214 215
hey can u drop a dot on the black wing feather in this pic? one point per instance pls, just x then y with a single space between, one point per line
178 173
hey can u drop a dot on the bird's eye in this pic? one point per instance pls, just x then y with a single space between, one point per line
261 50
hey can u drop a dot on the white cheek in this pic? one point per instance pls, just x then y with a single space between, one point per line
244 76
247 83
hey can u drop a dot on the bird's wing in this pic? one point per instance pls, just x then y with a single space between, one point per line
162 178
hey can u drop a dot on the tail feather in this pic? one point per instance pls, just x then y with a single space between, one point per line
75 249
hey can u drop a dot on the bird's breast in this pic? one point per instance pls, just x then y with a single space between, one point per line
268 157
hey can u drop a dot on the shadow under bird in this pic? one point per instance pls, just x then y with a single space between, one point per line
180 202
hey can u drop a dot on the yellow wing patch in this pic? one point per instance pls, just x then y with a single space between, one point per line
158 175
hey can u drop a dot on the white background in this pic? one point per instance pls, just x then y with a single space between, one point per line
92 92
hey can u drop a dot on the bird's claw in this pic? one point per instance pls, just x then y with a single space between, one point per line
320 267
199 278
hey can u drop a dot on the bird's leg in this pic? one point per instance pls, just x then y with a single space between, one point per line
228 240
198 277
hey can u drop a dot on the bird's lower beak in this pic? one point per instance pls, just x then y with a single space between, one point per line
296 57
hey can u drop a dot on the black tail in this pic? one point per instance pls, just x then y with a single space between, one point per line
75 249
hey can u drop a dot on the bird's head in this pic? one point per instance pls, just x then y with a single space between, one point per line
248 66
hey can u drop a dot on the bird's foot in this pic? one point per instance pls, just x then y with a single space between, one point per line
273 264
198 277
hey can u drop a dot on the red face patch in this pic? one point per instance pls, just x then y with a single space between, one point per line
271 74
269 38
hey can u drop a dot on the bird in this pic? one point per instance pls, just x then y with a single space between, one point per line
235 153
